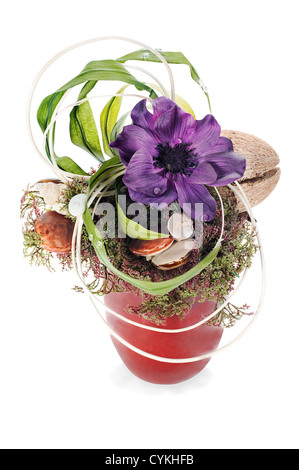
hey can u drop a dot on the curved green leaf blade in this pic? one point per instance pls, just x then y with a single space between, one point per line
83 130
153 288
44 116
106 166
172 58
67 164
108 120
47 108
105 70
131 228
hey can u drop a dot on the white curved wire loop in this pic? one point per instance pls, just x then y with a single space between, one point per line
76 257
75 46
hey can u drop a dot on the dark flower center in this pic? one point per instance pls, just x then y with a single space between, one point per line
177 160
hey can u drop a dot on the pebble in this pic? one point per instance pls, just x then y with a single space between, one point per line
77 205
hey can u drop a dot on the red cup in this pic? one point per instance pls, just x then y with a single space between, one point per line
198 341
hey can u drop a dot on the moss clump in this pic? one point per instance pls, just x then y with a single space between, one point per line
214 283
32 206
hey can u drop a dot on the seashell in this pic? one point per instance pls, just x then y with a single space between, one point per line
177 255
50 191
149 248
180 226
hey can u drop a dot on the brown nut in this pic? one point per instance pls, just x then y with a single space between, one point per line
56 232
262 173
260 156
149 247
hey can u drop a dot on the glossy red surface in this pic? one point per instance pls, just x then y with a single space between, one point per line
200 340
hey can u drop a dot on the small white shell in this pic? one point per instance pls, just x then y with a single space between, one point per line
180 226
174 254
50 192
77 205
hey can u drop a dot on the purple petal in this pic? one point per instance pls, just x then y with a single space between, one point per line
228 166
204 135
161 105
172 125
142 176
191 194
163 200
131 139
142 117
204 173
223 145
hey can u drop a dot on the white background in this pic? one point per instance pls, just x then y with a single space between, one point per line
62 385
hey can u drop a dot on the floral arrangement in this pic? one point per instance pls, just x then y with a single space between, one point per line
157 219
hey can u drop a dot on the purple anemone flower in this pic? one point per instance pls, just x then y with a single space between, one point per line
171 156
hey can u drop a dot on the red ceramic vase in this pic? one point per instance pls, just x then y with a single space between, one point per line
198 341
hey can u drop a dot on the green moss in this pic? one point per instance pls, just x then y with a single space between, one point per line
32 206
33 251
71 189
214 283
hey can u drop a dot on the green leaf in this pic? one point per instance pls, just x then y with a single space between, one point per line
47 108
131 228
44 115
83 130
106 166
86 89
153 288
108 120
67 164
171 58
